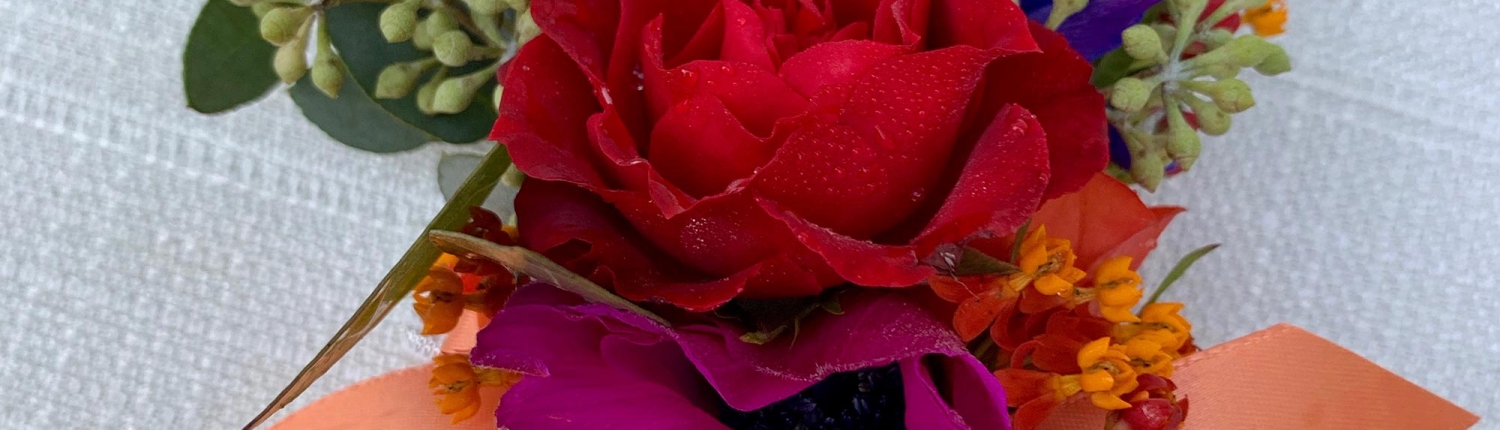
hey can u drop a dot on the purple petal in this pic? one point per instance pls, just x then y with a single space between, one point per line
589 366
1095 30
878 328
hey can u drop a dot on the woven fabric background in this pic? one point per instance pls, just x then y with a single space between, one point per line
161 269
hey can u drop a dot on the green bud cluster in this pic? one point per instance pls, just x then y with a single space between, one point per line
471 37
1164 100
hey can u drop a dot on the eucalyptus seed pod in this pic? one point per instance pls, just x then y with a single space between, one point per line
420 38
456 94
398 21
291 60
1130 94
453 48
281 25
1142 43
428 91
328 74
486 7
397 80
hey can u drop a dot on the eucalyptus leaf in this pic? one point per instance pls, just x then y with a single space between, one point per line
226 64
523 261
410 270
354 119
356 34
1181 268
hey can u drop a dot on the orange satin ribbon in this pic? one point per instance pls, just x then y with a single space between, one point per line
1280 378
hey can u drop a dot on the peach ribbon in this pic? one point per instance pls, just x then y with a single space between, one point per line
1279 378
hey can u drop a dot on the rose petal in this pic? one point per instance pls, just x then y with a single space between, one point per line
758 98
553 215
834 63
543 116
861 262
701 147
901 22
998 25
744 36
863 171
1057 90
999 186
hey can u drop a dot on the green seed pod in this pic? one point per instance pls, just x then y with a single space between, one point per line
328 75
1216 38
456 94
420 38
243 3
1276 63
1232 95
291 60
265 7
1147 168
282 24
1183 142
441 21
518 5
1245 51
486 7
398 21
526 28
1130 94
397 80
428 91
1211 120
452 48
1142 43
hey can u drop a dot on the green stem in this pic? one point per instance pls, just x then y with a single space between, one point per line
398 282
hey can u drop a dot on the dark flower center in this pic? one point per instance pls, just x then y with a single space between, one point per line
864 399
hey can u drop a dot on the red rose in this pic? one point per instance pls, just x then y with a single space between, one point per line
692 151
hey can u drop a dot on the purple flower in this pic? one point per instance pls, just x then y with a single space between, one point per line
885 363
1095 30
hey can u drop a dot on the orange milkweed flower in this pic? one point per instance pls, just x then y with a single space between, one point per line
439 300
456 384
1268 19
1118 289
1046 264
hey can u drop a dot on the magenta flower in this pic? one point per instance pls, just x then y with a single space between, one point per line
885 363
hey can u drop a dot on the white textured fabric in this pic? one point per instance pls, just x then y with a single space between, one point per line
165 270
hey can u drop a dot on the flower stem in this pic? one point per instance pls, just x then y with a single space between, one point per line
398 283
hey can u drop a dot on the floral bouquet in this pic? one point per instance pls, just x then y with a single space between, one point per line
795 214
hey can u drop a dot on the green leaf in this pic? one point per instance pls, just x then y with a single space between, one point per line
397 283
975 263
1112 67
354 119
356 33
1015 246
1181 268
453 168
226 64
524 261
